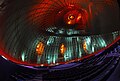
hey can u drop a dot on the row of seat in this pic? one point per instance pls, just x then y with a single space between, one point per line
88 70
95 68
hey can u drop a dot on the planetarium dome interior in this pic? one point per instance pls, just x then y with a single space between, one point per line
50 32
59 40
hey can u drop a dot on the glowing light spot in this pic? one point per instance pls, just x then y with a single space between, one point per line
40 48
4 58
42 64
79 17
62 49
85 46
69 22
71 17
23 56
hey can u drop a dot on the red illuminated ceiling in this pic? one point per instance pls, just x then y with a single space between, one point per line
51 13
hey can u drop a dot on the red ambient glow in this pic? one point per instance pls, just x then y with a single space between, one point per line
47 13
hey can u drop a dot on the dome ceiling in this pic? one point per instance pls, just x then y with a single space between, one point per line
36 32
